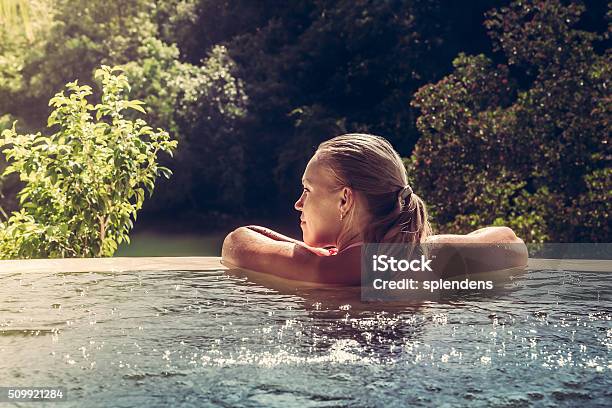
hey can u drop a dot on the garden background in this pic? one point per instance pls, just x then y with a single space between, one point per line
501 109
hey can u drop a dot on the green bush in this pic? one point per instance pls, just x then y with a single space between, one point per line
198 101
199 105
85 183
526 147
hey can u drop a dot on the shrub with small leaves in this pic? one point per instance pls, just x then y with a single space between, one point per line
199 105
85 183
527 148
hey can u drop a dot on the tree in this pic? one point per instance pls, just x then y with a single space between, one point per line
84 183
523 143
198 103
315 69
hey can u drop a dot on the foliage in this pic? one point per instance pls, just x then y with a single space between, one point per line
85 183
22 24
198 103
79 36
527 149
314 69
22 16
592 208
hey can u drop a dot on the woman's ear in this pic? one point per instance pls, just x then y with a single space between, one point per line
346 200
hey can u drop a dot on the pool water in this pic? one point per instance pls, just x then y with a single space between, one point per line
215 339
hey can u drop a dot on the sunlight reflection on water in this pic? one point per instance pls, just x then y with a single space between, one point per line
184 338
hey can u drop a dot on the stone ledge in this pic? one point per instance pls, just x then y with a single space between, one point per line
579 265
195 263
204 263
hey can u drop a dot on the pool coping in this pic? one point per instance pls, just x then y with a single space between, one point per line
190 263
210 263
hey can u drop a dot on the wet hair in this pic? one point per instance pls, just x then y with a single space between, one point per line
370 166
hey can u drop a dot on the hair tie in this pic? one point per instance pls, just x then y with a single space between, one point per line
404 194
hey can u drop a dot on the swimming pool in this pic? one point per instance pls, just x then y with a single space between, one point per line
209 338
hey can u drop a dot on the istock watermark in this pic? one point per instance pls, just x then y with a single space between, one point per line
408 272
383 263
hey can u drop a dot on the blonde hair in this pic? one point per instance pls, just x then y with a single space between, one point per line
369 165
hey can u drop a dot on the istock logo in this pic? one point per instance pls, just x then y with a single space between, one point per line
383 263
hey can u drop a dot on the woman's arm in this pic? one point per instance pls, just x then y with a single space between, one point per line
248 249
276 236
487 235
273 234
496 247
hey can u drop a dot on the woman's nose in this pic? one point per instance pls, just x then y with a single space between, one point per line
298 204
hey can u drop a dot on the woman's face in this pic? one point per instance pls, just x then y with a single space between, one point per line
320 205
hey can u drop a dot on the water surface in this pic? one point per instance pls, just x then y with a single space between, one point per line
210 338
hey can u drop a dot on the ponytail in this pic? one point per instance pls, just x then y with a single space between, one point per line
407 223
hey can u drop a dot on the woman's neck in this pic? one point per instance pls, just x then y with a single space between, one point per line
353 232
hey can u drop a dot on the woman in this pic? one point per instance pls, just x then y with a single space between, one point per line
355 191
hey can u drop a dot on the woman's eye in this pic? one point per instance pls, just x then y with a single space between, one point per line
306 190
